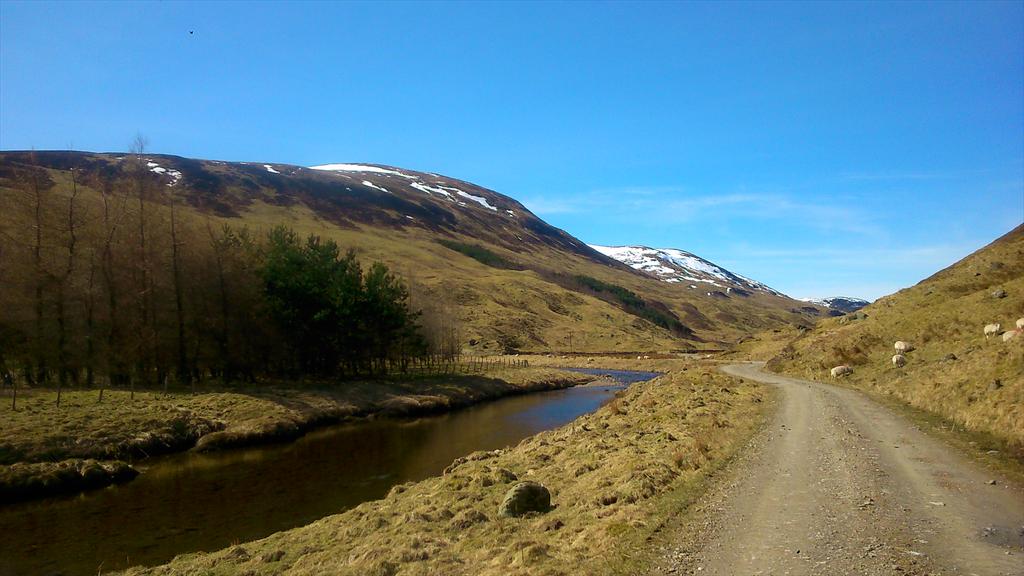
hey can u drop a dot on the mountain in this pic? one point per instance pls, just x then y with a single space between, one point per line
843 304
955 371
479 262
678 266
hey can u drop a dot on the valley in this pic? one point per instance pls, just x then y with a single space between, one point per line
517 288
412 433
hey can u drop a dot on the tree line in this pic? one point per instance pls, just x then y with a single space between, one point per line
107 280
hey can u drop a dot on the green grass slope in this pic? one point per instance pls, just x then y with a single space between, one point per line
955 371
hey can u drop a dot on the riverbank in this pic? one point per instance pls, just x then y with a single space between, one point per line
615 477
42 443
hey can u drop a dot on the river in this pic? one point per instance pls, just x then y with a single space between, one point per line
190 502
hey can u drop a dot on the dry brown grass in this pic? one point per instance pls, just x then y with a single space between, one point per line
120 427
491 303
614 476
767 344
982 390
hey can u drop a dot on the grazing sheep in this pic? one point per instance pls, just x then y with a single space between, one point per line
646 357
1011 334
842 370
992 330
899 360
639 357
903 347
1020 323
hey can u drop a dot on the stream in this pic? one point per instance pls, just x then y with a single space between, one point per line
190 502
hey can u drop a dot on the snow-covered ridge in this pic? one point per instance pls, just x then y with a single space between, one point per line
672 265
360 168
841 303
431 189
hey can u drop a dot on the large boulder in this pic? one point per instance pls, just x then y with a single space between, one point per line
525 497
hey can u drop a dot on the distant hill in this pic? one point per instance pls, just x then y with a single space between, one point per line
954 371
499 276
841 304
678 266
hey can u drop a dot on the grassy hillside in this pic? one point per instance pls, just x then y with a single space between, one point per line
954 372
494 271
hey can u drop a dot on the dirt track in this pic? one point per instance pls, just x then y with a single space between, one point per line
838 484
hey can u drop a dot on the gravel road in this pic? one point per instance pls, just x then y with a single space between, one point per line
839 484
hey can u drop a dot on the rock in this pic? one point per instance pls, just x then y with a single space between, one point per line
525 497
949 357
995 384
999 293
991 482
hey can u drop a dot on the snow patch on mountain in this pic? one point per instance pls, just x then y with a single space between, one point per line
478 199
361 168
840 303
673 265
372 185
416 182
432 190
155 168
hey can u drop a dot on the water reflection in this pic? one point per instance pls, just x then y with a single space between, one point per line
195 502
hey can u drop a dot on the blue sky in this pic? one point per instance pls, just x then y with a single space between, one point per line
824 149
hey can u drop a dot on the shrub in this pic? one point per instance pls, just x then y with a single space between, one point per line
480 254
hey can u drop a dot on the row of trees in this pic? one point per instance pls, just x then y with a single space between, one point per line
105 278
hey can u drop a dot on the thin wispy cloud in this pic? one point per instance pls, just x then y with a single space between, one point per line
944 254
896 175
670 205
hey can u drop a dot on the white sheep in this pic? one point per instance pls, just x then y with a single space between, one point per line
899 360
1020 323
841 370
903 347
1011 334
992 330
